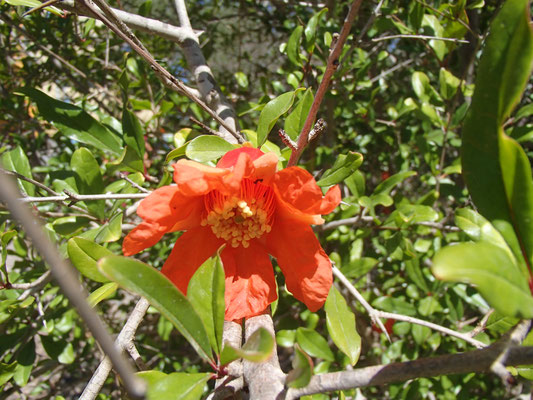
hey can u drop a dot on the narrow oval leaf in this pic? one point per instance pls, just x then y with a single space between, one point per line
314 344
103 292
84 254
293 46
344 166
206 294
148 282
88 178
111 231
258 348
303 369
207 148
497 278
74 122
177 386
16 161
340 321
311 28
274 109
496 169
295 121
386 186
133 132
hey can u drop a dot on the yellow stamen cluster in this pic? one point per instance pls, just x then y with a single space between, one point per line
240 219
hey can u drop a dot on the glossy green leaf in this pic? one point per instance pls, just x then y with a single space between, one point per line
25 363
176 386
344 166
293 46
207 148
146 281
88 179
495 167
314 344
74 122
16 161
285 337
311 28
302 370
35 3
448 84
274 109
206 294
340 321
111 231
84 254
103 292
388 184
494 273
133 132
258 348
295 121
69 225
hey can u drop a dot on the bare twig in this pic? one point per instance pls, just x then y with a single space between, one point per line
166 77
514 338
287 141
472 361
68 281
331 67
41 6
84 197
135 185
421 37
183 16
482 324
375 315
43 279
124 340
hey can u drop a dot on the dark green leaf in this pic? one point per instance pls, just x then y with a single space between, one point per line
274 109
74 122
295 121
15 160
88 179
84 254
302 369
133 132
344 166
293 46
314 344
311 28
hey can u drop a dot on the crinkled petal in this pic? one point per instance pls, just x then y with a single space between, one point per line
242 169
265 167
300 197
144 235
250 282
195 179
190 251
230 159
304 263
157 207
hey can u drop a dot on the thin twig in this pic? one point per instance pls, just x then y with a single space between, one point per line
514 338
421 37
331 67
41 6
135 185
69 283
377 314
183 16
83 197
124 339
43 279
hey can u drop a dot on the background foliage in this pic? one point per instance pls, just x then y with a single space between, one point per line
79 110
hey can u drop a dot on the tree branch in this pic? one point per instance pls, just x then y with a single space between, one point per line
472 361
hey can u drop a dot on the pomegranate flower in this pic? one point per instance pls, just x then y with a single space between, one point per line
255 210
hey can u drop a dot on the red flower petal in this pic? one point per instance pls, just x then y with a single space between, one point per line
265 167
157 207
230 159
250 282
304 263
195 179
190 251
144 235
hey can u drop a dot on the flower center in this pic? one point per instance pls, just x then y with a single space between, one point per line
240 219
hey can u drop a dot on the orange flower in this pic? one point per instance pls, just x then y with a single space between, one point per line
256 211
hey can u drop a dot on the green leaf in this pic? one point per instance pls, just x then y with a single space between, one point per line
35 3
133 132
111 231
295 121
6 372
490 268
207 148
103 292
344 166
59 350
88 179
258 348
274 109
314 344
302 371
206 294
496 169
84 254
448 84
340 321
293 46
311 28
386 186
69 225
177 386
16 161
25 360
146 281
74 122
